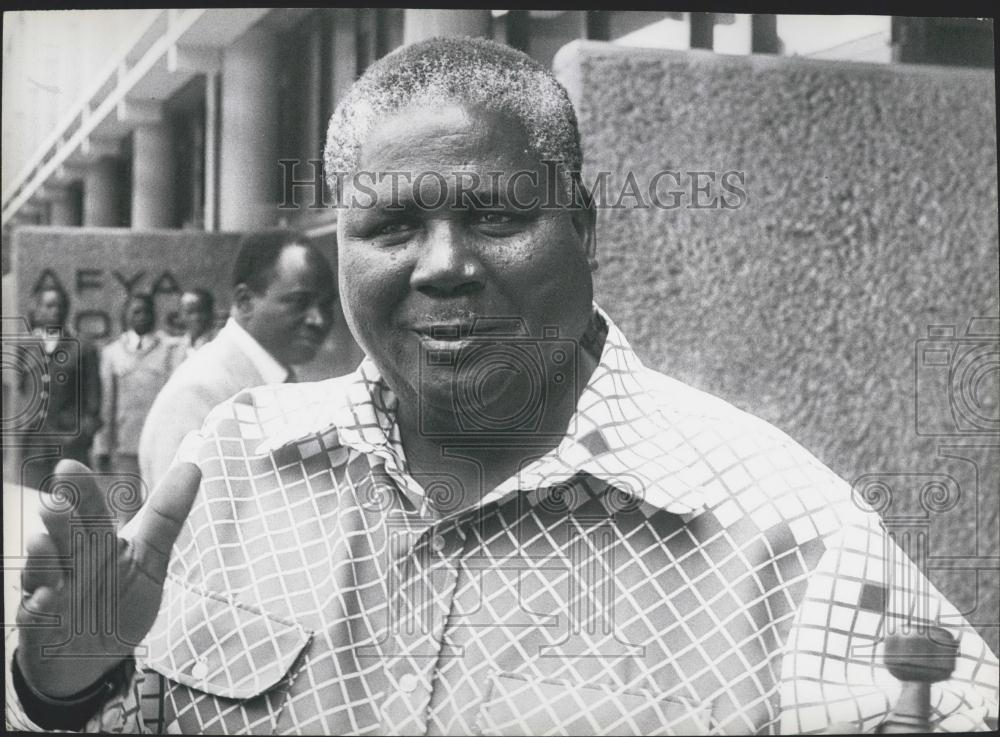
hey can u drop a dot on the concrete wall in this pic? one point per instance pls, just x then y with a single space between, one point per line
870 215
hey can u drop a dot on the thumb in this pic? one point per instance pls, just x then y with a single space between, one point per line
70 495
163 516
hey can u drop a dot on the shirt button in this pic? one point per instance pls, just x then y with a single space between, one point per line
437 543
200 669
408 683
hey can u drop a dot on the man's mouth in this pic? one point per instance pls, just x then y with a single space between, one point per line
469 327
310 338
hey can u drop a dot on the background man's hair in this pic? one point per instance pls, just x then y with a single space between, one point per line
471 71
258 254
206 299
140 297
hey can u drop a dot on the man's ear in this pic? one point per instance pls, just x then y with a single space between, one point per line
243 300
585 222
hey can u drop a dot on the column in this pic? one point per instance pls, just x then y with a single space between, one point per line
598 25
702 30
421 24
249 175
344 54
152 177
312 102
211 151
764 34
64 208
101 193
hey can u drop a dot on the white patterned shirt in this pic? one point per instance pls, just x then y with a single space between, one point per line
674 565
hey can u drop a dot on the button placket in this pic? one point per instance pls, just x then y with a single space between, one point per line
412 664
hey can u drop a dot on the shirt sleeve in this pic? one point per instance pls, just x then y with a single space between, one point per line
864 588
120 713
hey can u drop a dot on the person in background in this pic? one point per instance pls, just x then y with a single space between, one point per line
134 368
198 317
284 291
69 385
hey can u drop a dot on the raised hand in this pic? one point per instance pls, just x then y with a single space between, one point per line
89 596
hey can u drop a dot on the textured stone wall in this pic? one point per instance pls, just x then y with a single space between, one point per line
870 216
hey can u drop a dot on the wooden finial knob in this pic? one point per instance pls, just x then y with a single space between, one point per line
917 660
926 657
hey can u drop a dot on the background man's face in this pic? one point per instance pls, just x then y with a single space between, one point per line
195 315
139 316
409 271
293 315
50 309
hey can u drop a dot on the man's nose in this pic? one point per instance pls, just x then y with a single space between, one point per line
319 316
448 265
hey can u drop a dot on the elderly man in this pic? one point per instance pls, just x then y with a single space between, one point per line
283 297
501 521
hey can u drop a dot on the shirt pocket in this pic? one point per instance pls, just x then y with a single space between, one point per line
516 705
221 647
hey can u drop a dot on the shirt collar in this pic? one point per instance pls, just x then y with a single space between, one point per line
149 340
50 337
270 369
621 432
198 342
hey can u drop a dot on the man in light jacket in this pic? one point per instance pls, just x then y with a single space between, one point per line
283 296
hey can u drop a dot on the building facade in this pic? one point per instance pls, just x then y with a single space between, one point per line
182 118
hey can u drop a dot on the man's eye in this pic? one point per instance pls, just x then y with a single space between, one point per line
501 223
393 229
495 217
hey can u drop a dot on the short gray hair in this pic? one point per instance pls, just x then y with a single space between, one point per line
471 71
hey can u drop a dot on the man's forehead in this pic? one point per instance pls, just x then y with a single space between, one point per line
450 133
300 266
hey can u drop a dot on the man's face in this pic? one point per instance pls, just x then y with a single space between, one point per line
412 272
293 315
50 309
195 316
139 316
